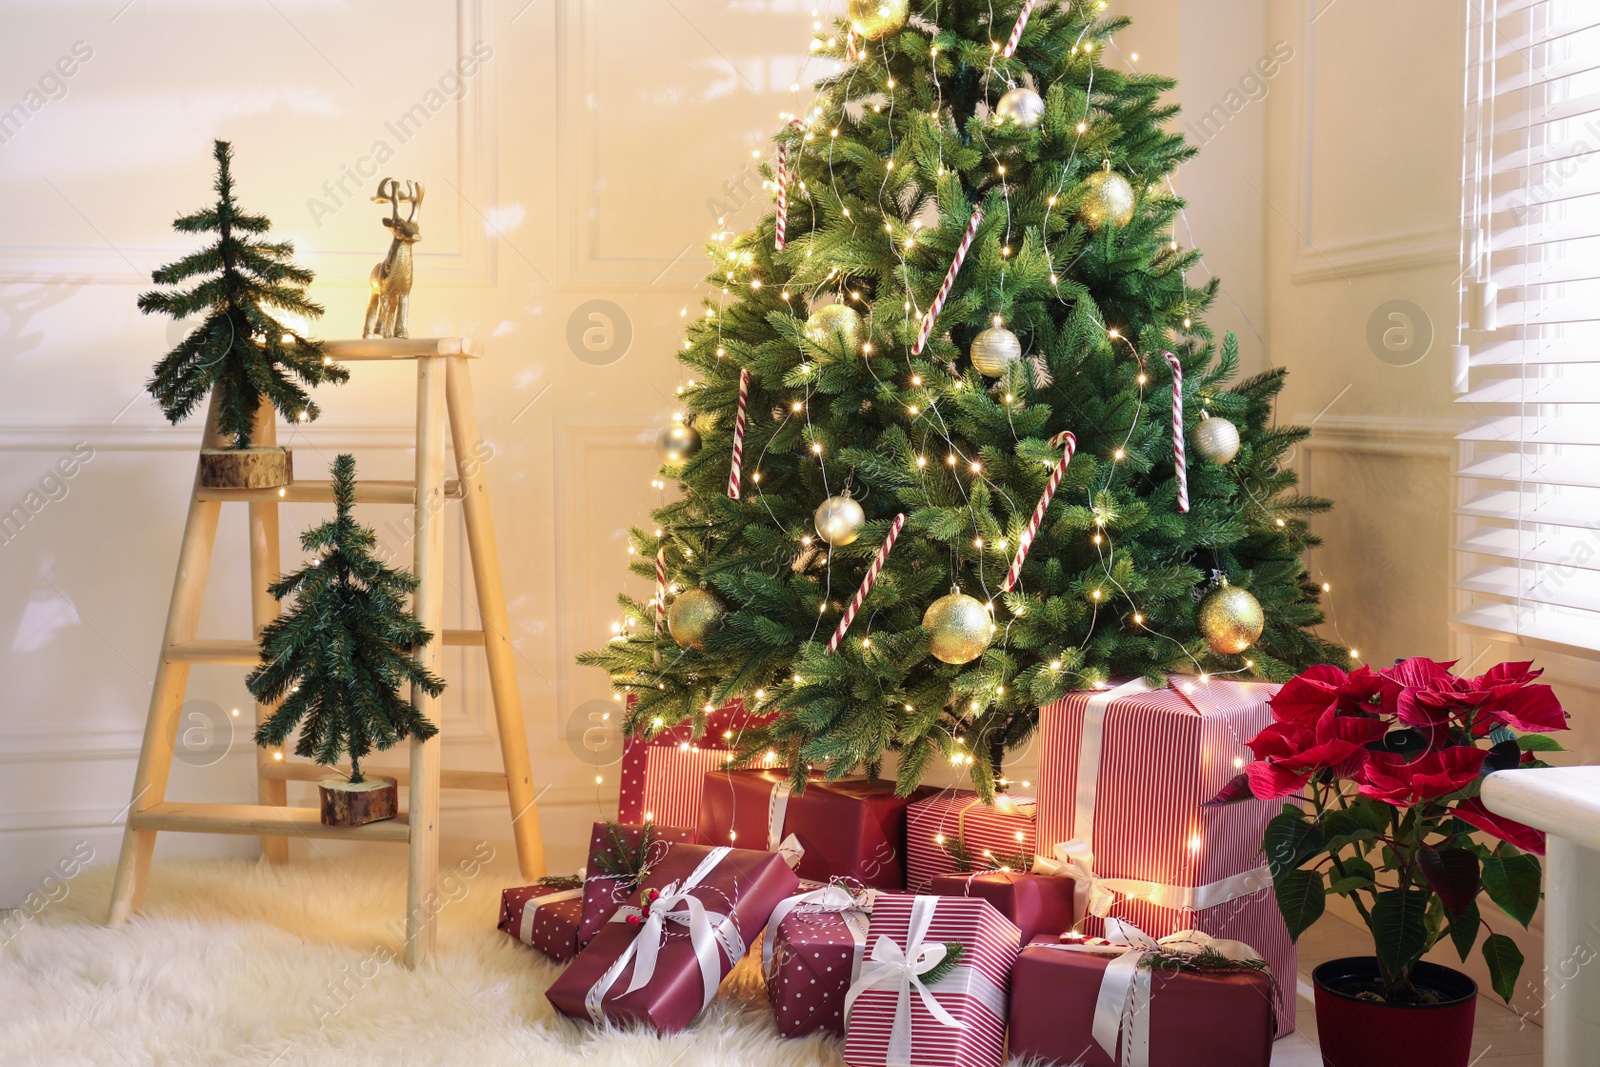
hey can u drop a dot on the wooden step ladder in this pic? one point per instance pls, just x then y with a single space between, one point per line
444 390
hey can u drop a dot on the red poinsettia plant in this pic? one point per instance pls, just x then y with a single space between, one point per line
1383 769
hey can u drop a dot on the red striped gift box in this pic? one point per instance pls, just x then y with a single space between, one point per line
1124 775
973 995
1007 828
664 777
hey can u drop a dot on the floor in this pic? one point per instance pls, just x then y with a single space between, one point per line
241 964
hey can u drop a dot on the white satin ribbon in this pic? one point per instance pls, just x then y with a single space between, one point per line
777 812
901 970
710 935
791 850
525 929
1122 1007
829 898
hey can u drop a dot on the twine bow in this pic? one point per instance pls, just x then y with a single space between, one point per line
832 898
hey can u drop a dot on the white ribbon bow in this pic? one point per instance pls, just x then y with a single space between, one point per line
1122 1008
901 970
829 898
710 935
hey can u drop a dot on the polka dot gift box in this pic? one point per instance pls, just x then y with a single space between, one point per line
545 917
811 953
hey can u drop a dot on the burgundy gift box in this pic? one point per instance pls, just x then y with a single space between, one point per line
662 778
812 952
1124 777
604 894
884 1027
733 891
545 917
1196 1020
990 832
1036 904
854 829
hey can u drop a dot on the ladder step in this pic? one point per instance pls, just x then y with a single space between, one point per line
369 491
289 770
244 653
378 348
261 820
463 637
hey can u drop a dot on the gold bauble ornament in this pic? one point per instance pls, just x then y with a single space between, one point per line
873 19
1215 439
677 443
995 350
693 615
832 323
1109 199
959 628
1022 106
839 520
1230 619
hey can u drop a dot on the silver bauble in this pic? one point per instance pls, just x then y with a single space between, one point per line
833 323
1109 199
839 520
1215 439
995 350
677 443
959 628
693 615
1022 106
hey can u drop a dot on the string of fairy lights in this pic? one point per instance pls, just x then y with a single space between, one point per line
842 325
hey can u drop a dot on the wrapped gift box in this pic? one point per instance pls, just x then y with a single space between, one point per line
658 964
603 894
811 953
545 917
1222 1019
883 1027
936 823
853 829
1036 904
663 778
1124 776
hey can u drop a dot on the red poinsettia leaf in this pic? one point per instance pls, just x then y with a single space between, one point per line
1420 672
1237 789
1308 694
1531 707
1475 813
1270 780
1507 674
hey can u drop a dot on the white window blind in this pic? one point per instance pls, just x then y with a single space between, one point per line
1527 368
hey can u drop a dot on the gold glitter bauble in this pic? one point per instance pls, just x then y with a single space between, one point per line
1021 106
994 350
1215 440
1230 619
839 520
1109 199
833 323
959 628
873 19
677 442
693 615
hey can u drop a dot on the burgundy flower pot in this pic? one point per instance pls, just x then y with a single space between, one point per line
1365 1033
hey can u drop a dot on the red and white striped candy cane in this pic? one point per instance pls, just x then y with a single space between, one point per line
867 582
1179 462
949 280
738 432
1016 34
661 587
782 218
851 52
1066 442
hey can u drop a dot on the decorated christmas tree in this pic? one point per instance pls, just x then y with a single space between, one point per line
239 349
932 473
338 657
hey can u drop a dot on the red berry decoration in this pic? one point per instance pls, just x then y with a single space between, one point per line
636 920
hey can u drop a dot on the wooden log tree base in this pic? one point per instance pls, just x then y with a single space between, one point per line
347 803
246 468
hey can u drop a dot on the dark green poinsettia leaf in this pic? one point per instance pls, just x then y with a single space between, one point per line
1464 930
1505 963
1511 878
1399 929
1452 873
1301 898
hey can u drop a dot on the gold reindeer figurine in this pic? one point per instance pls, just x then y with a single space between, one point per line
391 279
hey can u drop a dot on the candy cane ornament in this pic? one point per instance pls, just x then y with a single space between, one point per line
1016 35
661 587
867 582
1067 443
949 280
1179 461
738 432
782 218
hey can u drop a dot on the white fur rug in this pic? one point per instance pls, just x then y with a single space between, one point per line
237 963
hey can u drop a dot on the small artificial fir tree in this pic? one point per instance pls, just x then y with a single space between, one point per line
338 657
885 171
239 350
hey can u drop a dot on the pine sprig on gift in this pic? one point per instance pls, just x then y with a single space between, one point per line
961 854
623 861
953 951
1207 960
561 881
